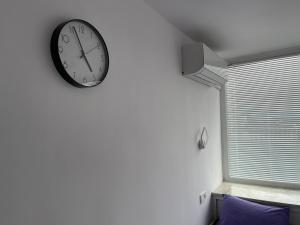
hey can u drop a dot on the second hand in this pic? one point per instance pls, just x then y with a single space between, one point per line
90 50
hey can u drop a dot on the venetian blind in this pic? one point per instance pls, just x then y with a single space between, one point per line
263 120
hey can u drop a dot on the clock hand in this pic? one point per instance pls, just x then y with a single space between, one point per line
90 50
87 62
77 37
82 51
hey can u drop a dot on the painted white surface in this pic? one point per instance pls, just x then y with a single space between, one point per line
121 153
239 30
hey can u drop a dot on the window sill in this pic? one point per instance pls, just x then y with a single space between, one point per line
283 196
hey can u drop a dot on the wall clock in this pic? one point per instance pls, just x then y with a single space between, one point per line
79 53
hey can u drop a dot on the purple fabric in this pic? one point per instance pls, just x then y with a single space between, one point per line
237 211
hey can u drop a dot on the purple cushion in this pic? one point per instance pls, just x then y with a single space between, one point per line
237 211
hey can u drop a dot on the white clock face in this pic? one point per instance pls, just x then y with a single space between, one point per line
83 53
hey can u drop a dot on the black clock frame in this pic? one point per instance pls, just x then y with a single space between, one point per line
56 57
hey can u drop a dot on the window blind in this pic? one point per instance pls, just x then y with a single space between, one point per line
263 120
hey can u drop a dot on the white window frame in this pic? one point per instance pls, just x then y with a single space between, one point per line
224 149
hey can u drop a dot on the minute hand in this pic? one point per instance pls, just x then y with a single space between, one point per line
82 51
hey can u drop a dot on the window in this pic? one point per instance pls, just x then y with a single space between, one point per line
262 122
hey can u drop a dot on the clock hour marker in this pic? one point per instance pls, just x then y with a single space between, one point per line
74 75
70 29
81 28
94 77
65 38
84 80
65 64
60 49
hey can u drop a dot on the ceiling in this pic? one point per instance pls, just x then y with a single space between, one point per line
238 30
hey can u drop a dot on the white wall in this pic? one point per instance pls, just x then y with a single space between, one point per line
121 153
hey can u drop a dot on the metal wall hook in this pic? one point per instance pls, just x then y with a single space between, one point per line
203 139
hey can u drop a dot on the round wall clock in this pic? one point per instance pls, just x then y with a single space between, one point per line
79 53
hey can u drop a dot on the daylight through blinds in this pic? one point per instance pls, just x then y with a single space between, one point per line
263 120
